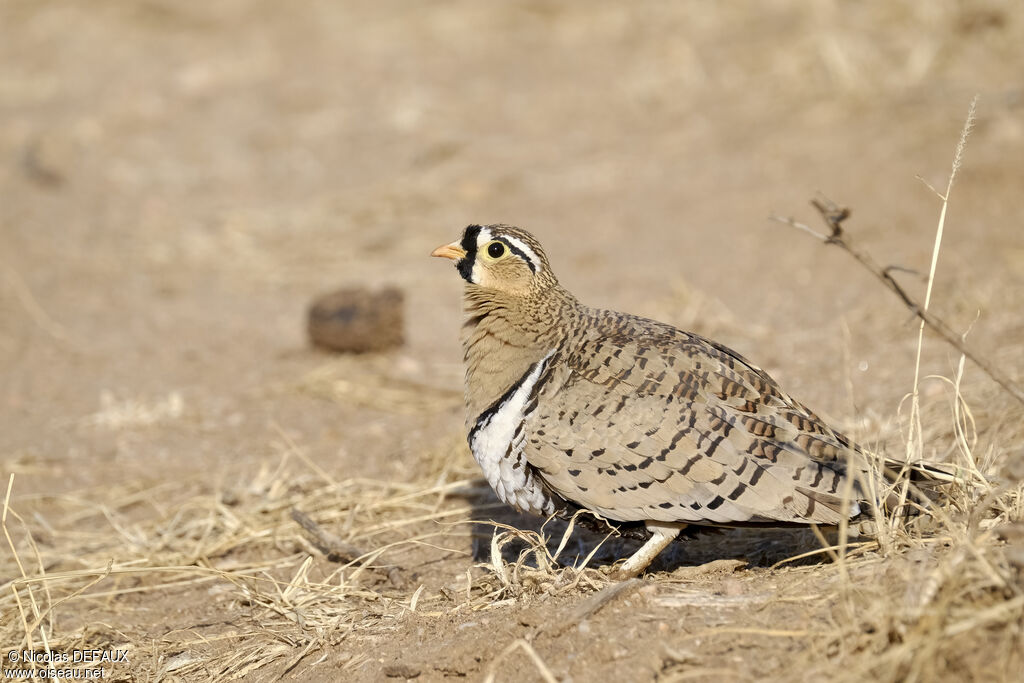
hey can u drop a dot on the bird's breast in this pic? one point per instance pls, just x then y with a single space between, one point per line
497 356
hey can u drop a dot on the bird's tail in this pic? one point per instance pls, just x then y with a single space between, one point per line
908 489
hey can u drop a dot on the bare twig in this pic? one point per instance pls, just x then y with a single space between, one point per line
333 548
834 216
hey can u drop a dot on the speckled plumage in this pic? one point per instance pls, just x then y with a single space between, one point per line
631 418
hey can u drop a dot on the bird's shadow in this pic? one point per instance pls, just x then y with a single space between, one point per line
757 547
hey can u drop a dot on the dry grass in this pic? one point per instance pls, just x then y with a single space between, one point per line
914 612
942 598
913 606
202 542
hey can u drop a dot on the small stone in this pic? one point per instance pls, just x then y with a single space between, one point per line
357 320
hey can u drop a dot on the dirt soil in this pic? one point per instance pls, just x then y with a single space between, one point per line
178 181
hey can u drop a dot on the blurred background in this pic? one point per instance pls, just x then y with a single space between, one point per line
178 179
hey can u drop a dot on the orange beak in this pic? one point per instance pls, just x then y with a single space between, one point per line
453 251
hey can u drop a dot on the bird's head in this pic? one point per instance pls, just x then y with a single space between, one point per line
500 257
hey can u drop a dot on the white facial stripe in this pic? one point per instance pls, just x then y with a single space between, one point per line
521 246
486 236
482 238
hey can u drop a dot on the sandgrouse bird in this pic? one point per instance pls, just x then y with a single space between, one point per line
574 407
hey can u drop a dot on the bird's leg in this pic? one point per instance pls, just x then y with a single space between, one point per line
662 533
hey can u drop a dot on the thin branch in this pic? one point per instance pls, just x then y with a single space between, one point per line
834 216
333 548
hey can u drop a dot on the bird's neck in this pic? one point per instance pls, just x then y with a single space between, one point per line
503 337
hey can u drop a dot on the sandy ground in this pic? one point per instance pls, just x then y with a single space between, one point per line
179 180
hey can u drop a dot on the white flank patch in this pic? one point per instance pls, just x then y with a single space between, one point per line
514 485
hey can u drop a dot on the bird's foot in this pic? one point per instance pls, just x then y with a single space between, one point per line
662 533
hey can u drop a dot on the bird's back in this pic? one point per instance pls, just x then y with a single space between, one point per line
638 420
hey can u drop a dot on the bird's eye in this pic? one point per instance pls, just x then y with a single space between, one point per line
495 249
